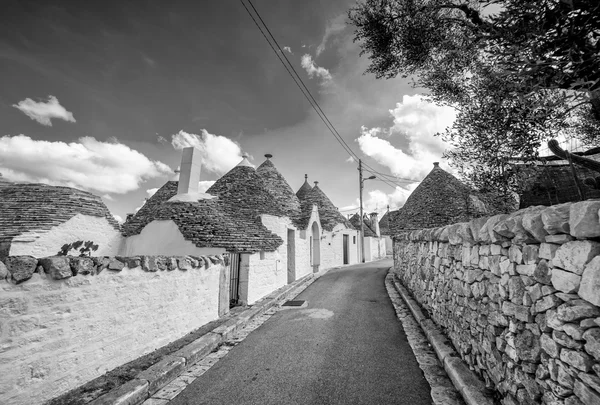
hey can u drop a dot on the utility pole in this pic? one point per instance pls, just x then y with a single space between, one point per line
362 231
362 220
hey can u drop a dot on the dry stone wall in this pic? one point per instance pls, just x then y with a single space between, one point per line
67 320
519 297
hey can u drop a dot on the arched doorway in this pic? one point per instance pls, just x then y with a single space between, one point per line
316 247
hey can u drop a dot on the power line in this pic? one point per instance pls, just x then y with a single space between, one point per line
307 94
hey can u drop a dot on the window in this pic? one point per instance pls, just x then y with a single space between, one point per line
354 240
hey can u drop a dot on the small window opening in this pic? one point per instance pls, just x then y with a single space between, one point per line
354 240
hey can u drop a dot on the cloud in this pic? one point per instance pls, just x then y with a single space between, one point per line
43 112
334 26
162 140
288 49
118 218
88 164
313 70
350 159
219 154
416 121
108 197
205 185
150 192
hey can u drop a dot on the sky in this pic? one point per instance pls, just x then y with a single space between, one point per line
102 96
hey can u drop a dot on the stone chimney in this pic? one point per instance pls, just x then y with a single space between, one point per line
375 223
189 171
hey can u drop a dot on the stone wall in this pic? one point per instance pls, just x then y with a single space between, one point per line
518 295
67 320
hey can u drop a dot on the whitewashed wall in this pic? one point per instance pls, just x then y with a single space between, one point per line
56 335
163 238
79 227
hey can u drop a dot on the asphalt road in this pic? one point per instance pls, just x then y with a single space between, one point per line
346 347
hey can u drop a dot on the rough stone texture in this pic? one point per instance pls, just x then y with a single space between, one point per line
529 328
565 281
583 219
556 219
573 256
21 268
113 316
590 282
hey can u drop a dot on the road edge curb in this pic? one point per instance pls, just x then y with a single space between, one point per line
465 381
161 373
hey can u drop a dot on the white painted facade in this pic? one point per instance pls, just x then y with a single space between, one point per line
332 246
60 334
374 248
163 238
79 227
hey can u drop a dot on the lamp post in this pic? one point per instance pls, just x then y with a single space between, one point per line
362 225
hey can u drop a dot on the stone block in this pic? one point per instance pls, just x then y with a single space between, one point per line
82 265
526 269
556 219
585 393
565 281
547 251
530 254
527 346
547 302
552 320
453 235
507 267
494 264
21 268
577 359
130 393
563 339
533 224
573 256
559 239
583 219
574 330
4 273
515 255
550 346
516 289
542 273
576 310
591 380
589 289
476 226
592 342
162 372
58 267
115 265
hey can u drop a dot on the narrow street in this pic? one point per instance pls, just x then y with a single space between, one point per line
346 347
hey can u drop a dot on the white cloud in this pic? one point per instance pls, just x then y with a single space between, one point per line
416 121
288 49
43 112
350 159
151 191
88 164
108 197
334 26
219 154
118 218
205 185
313 70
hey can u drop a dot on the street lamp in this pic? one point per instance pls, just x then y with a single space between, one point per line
362 225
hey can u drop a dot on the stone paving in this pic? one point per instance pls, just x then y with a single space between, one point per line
443 391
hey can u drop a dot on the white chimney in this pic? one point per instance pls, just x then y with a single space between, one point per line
189 177
189 171
375 223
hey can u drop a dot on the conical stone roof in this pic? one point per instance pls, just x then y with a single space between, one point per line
243 191
26 207
206 223
328 213
441 199
304 189
355 221
279 188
